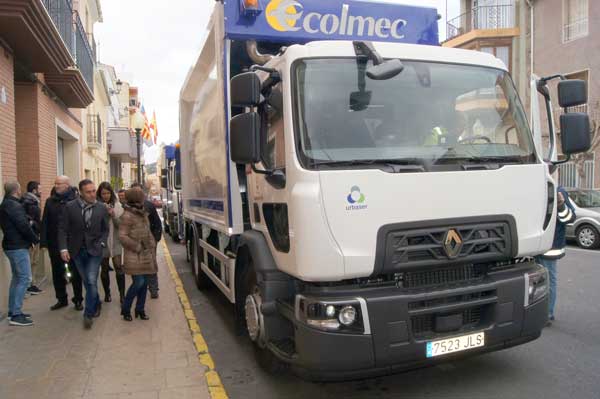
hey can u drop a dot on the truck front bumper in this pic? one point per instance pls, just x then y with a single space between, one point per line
402 322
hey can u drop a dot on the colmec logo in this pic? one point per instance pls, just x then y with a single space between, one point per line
291 16
356 199
283 15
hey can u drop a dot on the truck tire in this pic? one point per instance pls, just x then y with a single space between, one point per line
587 237
264 357
203 282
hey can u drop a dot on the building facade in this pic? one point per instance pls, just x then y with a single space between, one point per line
567 42
46 79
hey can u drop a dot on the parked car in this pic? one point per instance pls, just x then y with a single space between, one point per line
586 228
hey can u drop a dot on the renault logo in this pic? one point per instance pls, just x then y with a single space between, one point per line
452 244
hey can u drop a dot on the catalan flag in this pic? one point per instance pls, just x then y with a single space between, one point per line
154 127
146 133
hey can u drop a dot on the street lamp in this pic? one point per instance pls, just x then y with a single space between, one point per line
137 123
119 86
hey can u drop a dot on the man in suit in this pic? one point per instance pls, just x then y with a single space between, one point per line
82 235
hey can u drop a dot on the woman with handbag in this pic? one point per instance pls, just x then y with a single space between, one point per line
139 248
113 250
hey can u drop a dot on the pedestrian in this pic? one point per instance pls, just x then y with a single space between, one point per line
565 215
113 250
61 194
83 234
121 195
156 229
31 201
139 252
18 238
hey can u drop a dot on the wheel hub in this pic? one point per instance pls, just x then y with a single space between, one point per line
254 320
587 237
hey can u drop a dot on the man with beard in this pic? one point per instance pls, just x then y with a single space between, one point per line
53 212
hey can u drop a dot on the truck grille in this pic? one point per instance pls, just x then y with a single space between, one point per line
447 275
410 246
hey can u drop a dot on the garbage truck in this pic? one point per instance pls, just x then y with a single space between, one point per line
367 200
170 175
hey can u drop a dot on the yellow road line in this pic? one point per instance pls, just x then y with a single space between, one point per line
215 386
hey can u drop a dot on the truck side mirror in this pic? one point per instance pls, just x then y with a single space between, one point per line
575 133
245 138
245 90
572 92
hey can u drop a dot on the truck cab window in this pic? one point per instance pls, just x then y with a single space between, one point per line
273 130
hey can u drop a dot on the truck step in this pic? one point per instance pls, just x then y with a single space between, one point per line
284 349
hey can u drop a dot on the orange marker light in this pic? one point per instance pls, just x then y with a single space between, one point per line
251 4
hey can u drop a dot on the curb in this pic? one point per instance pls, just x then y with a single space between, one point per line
215 386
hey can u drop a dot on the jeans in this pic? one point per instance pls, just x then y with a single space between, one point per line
89 268
21 277
138 289
550 265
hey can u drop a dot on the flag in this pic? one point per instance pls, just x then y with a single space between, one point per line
146 134
154 126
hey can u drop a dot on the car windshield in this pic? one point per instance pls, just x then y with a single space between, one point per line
429 114
585 198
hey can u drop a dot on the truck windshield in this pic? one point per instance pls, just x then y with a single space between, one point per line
431 114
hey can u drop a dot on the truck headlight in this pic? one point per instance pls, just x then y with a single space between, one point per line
346 316
536 286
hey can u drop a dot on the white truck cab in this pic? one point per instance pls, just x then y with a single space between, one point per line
367 205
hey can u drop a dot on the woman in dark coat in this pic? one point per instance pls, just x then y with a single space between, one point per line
139 252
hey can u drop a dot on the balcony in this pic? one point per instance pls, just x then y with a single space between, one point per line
94 132
47 37
121 144
575 30
500 19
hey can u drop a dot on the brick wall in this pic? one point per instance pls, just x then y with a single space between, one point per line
7 117
27 138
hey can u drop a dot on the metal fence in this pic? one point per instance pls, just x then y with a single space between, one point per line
61 12
84 56
482 17
568 176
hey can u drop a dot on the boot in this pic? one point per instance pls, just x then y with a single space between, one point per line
141 314
126 315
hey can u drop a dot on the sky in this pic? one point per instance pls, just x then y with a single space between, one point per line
153 43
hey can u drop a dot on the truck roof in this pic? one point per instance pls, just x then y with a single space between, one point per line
398 50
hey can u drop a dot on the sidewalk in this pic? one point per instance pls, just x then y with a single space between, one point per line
57 358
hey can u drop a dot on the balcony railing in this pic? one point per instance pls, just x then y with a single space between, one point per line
84 56
61 12
94 131
575 30
483 17
71 30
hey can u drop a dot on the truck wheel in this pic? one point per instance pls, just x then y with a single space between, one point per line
254 323
587 237
202 280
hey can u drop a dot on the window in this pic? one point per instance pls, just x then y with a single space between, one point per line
575 19
273 131
60 157
500 52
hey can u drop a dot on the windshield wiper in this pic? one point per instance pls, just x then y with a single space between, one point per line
509 159
398 165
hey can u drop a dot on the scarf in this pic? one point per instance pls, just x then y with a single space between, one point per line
86 211
32 197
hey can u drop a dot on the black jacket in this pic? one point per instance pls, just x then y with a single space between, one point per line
53 211
154 219
73 235
32 204
18 233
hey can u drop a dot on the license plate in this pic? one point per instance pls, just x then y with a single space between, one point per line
456 344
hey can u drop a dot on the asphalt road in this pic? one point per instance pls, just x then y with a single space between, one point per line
563 363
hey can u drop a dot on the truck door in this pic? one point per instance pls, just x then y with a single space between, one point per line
268 200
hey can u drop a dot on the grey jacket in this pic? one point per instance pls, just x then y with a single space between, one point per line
73 234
